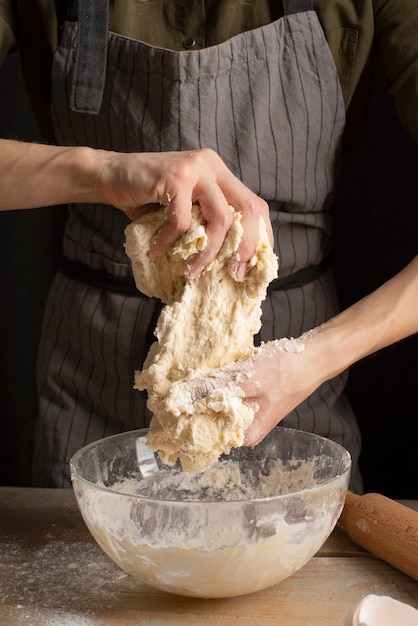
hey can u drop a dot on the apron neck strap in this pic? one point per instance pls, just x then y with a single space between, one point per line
297 6
91 54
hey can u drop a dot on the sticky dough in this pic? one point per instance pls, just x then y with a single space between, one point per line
208 323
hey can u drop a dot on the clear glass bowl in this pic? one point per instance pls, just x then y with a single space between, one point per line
248 522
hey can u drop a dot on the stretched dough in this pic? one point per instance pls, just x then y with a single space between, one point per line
208 323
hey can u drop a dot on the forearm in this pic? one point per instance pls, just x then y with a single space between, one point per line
384 317
283 373
34 175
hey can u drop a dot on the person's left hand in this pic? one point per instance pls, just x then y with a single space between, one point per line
132 182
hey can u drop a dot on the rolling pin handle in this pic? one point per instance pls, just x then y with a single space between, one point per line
385 528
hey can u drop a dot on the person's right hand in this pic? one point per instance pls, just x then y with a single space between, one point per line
132 182
274 381
281 375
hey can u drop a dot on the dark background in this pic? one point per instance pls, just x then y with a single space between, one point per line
376 234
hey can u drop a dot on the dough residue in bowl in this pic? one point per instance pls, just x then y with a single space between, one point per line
224 481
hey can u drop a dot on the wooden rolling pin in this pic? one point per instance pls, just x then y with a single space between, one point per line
385 528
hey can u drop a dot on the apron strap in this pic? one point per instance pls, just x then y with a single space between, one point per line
91 54
126 284
98 278
299 278
297 6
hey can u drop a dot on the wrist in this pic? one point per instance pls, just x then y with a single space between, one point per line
116 178
347 338
331 350
80 171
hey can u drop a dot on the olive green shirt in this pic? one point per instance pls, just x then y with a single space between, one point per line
356 30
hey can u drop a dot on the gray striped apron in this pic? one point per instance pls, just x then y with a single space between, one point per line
269 102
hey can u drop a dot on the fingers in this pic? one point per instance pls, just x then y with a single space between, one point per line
201 177
251 207
255 433
137 182
250 222
179 215
202 387
183 395
219 217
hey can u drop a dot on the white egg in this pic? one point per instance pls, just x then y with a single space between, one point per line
376 610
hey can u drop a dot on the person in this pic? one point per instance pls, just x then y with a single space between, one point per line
129 91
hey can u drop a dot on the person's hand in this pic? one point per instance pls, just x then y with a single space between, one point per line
36 175
275 380
134 182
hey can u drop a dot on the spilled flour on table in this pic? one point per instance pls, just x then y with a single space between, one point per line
48 585
47 617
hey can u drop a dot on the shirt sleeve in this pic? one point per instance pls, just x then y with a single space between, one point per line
8 28
396 41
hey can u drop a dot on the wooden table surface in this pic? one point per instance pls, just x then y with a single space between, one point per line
52 573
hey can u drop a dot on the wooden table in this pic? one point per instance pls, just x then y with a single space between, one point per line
52 573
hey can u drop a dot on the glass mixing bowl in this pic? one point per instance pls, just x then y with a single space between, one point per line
246 523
